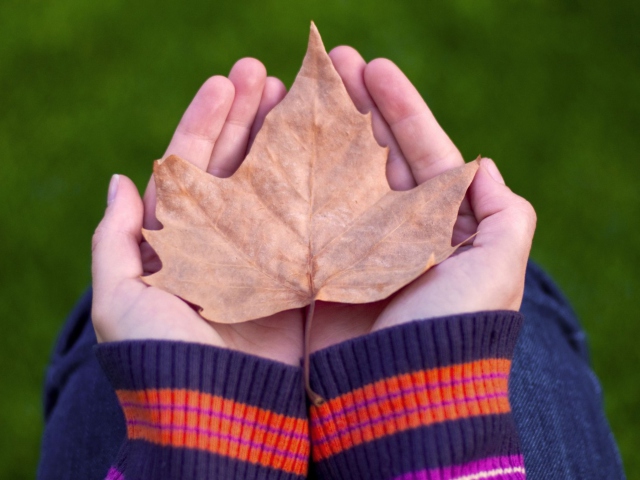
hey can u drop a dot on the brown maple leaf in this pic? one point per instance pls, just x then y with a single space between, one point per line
309 215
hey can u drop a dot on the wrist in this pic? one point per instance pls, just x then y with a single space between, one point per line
422 380
462 284
209 401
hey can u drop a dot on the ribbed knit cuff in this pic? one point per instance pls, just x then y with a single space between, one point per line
196 411
427 399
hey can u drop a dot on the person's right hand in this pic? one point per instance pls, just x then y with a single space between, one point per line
486 276
214 134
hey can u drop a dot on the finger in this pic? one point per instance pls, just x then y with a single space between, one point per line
506 221
351 66
202 122
248 77
196 134
273 93
115 244
426 147
466 224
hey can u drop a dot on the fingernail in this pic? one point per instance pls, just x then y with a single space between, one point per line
493 170
113 188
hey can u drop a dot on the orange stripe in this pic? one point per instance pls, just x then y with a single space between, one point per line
230 448
409 401
191 419
169 408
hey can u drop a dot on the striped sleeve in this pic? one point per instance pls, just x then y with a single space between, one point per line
194 411
426 400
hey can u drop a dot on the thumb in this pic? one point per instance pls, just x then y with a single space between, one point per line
115 246
506 221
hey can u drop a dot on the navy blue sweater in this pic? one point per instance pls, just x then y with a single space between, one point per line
425 400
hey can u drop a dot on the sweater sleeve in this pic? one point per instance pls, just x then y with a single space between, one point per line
195 411
424 400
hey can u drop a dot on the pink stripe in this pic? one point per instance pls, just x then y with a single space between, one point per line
208 433
503 468
422 389
114 474
390 416
218 415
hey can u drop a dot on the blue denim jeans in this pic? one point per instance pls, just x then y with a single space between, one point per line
555 397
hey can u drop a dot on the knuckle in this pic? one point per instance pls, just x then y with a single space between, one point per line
529 213
97 315
98 237
109 306
446 157
528 209
100 311
525 219
104 233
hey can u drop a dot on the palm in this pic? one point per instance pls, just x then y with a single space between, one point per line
336 322
153 313
214 134
419 150
391 108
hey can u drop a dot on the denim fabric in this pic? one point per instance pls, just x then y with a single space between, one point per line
84 425
555 397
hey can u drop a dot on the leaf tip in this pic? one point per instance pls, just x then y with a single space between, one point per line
431 262
315 41
473 166
482 159
162 163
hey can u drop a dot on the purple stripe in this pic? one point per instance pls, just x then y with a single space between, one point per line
393 415
218 415
208 433
114 474
487 465
422 389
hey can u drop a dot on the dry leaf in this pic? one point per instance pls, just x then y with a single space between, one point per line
309 214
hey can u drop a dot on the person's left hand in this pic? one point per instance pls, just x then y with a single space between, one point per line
214 134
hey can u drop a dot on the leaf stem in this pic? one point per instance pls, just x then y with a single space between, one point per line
316 399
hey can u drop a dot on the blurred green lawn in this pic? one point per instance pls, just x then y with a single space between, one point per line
549 88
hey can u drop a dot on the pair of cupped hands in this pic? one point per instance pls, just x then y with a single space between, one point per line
216 132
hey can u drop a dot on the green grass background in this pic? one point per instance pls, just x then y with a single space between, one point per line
549 88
